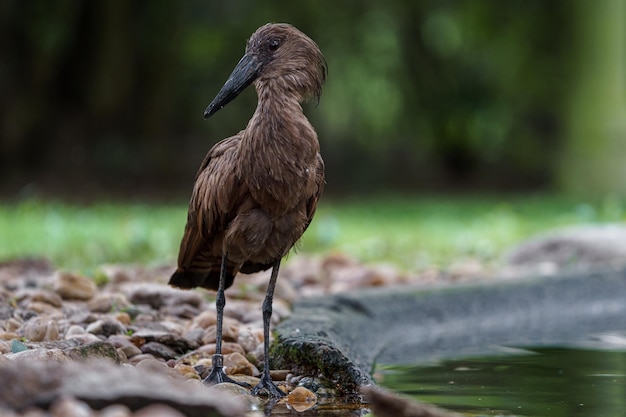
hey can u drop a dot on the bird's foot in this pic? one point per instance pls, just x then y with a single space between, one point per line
266 384
218 376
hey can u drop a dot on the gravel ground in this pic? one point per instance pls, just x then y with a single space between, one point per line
57 327
128 315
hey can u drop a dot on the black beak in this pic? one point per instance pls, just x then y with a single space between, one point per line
246 71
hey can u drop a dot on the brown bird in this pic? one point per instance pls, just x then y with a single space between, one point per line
256 192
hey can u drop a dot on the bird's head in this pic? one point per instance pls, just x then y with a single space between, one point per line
280 55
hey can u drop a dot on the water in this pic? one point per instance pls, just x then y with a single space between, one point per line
550 382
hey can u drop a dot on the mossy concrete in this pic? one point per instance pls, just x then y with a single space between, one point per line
343 337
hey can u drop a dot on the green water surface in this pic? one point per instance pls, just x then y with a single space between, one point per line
549 382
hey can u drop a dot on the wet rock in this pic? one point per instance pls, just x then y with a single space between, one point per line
279 374
301 395
40 328
74 287
388 404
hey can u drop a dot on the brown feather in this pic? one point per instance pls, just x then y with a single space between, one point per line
256 192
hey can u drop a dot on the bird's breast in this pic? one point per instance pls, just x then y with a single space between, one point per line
280 186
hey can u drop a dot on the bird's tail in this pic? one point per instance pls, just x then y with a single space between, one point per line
187 279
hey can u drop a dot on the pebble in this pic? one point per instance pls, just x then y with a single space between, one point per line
301 395
158 295
5 347
40 329
74 287
230 333
70 407
158 410
95 350
186 371
12 324
178 343
139 358
301 399
248 339
115 410
123 343
159 350
41 354
39 295
235 363
135 319
124 318
106 327
106 302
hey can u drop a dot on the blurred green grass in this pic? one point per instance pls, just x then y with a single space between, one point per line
412 233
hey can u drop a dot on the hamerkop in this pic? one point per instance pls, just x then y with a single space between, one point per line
256 192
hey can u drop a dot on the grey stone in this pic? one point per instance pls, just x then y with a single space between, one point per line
95 350
573 247
99 385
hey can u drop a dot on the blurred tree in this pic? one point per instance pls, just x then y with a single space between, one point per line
594 159
421 95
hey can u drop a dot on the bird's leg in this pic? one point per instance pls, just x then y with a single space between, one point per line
266 381
217 374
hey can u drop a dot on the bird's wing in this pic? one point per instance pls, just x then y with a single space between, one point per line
312 202
214 194
216 189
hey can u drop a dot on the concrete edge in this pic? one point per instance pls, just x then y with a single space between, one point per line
343 337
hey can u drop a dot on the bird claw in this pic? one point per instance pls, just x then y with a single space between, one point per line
218 376
266 384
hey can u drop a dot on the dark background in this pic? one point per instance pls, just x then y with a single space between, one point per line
106 98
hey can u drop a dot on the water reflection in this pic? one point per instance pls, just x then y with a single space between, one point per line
540 382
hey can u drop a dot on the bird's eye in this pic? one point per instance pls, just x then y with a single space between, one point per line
273 44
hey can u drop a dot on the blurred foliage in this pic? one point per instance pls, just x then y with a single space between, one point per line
108 96
413 233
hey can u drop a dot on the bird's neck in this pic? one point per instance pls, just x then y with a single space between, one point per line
280 126
279 145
